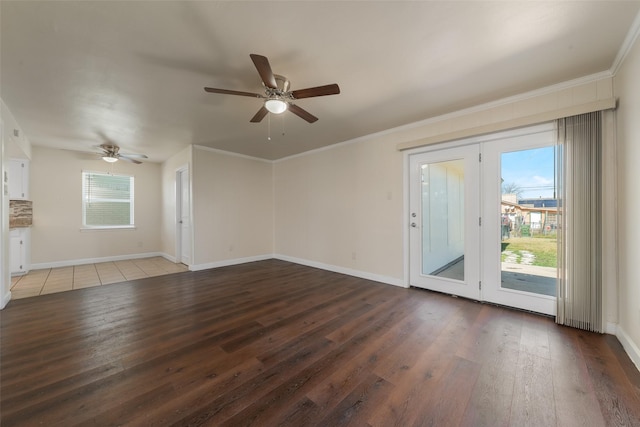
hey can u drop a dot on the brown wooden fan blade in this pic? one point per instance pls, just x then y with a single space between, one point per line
332 89
259 115
127 159
264 69
302 113
233 92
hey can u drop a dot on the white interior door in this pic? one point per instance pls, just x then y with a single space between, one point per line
184 217
444 221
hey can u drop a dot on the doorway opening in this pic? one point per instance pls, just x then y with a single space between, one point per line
183 216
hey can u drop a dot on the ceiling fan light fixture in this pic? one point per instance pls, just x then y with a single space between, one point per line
275 106
110 158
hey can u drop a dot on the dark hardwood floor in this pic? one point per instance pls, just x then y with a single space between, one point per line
273 343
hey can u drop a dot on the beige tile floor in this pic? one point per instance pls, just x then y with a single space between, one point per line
50 280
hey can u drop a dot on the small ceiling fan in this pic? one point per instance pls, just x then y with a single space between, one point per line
111 153
278 98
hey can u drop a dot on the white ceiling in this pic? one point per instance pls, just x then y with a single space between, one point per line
134 72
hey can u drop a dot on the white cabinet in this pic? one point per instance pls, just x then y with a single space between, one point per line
19 237
18 179
19 241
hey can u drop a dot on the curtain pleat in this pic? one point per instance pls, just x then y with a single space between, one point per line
580 218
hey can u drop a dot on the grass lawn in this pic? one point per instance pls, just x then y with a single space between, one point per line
544 248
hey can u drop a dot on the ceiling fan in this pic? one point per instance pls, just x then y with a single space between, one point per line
278 98
111 153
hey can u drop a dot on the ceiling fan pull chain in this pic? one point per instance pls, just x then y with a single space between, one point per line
269 127
282 124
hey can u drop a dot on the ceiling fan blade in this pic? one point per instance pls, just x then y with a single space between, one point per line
332 89
233 92
264 69
304 114
135 156
259 115
127 159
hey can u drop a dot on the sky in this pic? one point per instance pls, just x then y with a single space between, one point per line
531 170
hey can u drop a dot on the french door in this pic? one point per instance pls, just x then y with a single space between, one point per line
468 238
444 214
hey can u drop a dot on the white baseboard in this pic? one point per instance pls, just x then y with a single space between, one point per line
228 262
343 270
610 328
169 257
5 300
629 346
82 261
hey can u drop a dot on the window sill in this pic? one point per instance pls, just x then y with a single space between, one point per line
116 228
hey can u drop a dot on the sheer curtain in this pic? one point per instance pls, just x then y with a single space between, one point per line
580 217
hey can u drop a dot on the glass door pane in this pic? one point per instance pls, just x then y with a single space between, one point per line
528 217
443 219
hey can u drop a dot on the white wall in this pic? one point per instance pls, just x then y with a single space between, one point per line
169 168
56 187
232 208
627 88
341 208
19 146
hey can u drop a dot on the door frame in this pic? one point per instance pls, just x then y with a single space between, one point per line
178 205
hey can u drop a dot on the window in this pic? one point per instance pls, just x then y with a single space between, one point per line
107 200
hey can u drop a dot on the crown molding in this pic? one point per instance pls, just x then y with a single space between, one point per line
629 41
229 153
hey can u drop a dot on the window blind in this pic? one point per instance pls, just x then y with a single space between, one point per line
580 236
107 200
